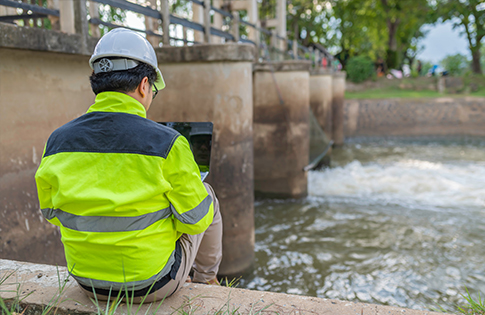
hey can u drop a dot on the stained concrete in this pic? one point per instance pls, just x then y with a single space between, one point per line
281 130
444 116
44 84
42 283
13 36
321 98
35 99
338 96
218 87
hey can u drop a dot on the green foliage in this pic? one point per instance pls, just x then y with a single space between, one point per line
455 64
359 69
468 16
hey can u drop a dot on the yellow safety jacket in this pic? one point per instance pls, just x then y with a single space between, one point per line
122 189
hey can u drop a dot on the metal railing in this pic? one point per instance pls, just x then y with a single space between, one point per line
271 46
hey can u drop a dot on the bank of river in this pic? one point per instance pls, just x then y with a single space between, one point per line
392 222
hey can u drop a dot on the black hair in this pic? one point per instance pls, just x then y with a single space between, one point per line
122 81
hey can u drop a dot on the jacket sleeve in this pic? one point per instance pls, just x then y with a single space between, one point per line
44 192
191 205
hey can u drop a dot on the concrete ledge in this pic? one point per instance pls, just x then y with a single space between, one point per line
206 52
340 74
40 283
13 36
283 66
321 71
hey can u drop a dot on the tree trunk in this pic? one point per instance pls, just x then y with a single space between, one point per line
392 55
476 66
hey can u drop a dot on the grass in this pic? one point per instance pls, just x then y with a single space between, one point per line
190 306
392 93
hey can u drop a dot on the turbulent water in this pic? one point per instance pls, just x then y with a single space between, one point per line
391 222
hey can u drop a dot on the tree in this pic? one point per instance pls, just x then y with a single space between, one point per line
455 64
404 19
470 16
387 29
359 29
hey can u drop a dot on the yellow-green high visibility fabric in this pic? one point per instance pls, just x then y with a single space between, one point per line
123 189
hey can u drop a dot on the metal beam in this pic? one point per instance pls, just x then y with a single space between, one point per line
122 4
31 7
11 18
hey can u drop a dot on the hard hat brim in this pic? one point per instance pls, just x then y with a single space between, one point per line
160 83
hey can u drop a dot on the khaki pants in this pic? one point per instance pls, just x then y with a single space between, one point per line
203 252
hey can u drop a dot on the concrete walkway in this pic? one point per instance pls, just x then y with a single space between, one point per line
39 285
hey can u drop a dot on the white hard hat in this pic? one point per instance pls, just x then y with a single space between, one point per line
128 44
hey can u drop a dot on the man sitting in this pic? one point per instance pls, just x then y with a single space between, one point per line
125 191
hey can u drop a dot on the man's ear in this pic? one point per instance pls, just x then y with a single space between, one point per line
144 88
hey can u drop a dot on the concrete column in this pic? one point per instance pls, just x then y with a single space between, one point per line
253 18
151 24
235 26
321 99
207 21
281 128
94 13
217 22
214 83
281 26
165 12
198 17
66 12
338 95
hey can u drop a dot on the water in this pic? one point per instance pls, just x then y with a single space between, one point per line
400 223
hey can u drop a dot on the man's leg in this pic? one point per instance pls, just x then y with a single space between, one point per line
205 249
209 253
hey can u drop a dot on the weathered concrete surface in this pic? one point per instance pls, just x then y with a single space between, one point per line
44 84
281 131
221 92
39 91
41 281
206 53
321 99
13 36
415 117
338 95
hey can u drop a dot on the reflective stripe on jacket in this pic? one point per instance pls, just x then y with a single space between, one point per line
123 189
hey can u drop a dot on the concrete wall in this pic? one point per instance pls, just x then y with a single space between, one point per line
281 131
35 98
415 117
338 96
321 99
214 83
44 84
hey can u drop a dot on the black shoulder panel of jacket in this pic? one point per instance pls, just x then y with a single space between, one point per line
104 132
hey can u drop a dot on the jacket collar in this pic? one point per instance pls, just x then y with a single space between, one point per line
116 102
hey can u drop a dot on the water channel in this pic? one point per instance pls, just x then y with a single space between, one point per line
395 222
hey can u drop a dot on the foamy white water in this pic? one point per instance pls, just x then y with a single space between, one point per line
408 181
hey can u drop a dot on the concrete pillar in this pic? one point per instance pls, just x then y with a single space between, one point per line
281 24
217 22
55 23
214 83
198 17
321 99
151 24
62 80
281 128
66 12
165 12
94 13
253 18
338 95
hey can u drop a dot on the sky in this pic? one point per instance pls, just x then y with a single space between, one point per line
442 40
